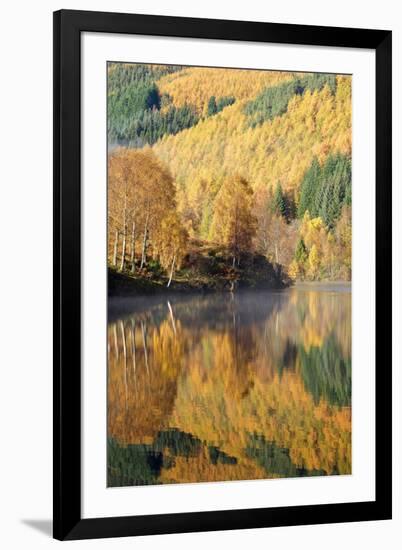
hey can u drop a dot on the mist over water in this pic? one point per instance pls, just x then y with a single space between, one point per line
227 386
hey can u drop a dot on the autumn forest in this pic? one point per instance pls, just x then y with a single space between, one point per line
229 270
223 178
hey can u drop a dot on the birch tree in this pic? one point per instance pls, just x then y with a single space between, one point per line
172 244
141 194
121 204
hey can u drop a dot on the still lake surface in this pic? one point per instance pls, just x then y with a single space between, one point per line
230 387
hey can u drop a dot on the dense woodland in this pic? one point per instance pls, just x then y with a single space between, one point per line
212 171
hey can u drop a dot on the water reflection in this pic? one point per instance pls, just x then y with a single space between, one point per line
221 387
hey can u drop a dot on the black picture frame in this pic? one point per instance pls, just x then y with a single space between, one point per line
68 26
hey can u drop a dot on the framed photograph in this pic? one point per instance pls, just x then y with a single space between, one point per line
222 274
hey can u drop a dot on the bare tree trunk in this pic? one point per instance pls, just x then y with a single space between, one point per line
123 252
133 249
171 271
144 242
276 253
116 246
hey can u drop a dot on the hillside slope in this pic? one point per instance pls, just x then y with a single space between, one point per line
315 124
270 151
195 85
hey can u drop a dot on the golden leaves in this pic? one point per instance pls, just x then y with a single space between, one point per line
195 85
316 124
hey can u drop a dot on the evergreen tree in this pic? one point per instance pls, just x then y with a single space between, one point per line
347 201
224 102
212 108
279 201
308 189
336 188
153 99
326 189
326 197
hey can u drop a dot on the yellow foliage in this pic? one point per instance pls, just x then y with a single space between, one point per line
233 224
314 261
142 210
294 270
195 85
281 149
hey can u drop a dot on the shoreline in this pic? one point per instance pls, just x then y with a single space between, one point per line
121 285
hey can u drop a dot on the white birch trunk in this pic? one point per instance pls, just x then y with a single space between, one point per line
171 271
123 251
133 249
144 242
116 245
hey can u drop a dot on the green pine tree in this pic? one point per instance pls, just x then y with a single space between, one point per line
212 108
308 189
279 201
